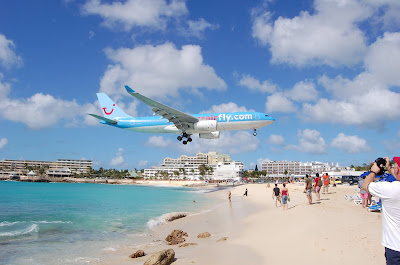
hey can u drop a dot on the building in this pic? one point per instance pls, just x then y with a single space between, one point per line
229 170
65 167
188 167
300 169
294 167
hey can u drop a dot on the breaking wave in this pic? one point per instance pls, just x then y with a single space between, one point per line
34 228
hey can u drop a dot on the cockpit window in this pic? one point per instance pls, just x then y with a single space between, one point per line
266 115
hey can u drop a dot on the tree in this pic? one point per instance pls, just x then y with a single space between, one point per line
182 171
202 170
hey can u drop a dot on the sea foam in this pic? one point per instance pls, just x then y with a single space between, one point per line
29 230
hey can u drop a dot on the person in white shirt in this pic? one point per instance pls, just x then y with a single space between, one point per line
389 192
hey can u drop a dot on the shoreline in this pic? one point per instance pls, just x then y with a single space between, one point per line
164 183
251 230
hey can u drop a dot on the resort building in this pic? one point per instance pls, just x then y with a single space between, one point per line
229 170
197 167
294 167
61 167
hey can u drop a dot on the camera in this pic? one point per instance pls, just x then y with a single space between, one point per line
381 163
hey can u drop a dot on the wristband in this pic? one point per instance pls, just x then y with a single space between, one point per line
373 172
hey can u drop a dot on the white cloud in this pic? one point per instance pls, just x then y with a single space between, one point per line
5 88
239 142
158 70
8 58
329 36
262 160
344 89
387 13
351 144
310 141
369 108
279 103
276 139
367 99
303 91
196 28
118 160
38 111
255 85
383 58
44 110
3 142
143 163
159 141
226 107
136 13
392 145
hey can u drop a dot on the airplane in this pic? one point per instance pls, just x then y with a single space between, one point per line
169 120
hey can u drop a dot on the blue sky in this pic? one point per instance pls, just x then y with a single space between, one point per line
326 70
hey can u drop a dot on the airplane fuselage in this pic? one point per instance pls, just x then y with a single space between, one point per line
170 120
224 122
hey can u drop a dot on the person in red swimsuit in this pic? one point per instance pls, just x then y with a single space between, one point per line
285 196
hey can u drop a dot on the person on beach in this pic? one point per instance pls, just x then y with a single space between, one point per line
327 180
389 192
285 197
229 195
245 193
276 192
363 193
308 188
318 185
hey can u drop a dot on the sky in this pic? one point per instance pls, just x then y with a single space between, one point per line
328 71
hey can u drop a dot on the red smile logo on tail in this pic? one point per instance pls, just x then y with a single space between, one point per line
108 113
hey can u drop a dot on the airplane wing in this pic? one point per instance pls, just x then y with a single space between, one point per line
180 119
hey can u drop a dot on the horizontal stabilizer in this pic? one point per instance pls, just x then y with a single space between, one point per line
104 119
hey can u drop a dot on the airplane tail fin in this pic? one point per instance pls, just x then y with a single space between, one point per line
110 110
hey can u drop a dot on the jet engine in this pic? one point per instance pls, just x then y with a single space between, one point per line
211 135
207 125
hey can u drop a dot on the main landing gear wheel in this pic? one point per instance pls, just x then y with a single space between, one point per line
255 132
184 135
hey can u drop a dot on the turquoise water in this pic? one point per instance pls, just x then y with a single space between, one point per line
74 223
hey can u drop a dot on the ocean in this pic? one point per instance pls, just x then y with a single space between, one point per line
79 223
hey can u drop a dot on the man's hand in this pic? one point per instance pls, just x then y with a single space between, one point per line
375 168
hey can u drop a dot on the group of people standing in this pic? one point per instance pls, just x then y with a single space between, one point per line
318 184
281 196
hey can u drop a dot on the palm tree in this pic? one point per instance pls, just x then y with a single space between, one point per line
182 171
202 169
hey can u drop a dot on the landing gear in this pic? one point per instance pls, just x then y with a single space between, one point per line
255 132
184 135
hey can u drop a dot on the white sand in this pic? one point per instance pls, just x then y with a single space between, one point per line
334 231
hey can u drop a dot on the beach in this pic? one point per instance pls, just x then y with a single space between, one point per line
251 230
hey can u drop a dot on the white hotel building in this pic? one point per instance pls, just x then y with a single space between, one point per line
294 167
222 167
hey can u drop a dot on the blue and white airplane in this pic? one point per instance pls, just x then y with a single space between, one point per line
169 120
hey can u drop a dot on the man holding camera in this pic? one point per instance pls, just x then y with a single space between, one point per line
389 192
